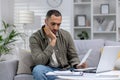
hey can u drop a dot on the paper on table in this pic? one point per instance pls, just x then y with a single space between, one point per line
65 73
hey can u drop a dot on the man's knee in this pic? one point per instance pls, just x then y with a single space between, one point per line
41 69
39 72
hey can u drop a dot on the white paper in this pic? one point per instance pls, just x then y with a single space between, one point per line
65 73
85 57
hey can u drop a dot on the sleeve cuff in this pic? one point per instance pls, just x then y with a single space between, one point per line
75 66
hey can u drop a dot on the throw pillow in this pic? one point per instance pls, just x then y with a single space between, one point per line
112 43
25 62
6 57
117 64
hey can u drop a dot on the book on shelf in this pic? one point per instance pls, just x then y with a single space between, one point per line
111 26
114 28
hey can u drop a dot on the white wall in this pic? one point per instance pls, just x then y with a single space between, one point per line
40 8
7 8
0 13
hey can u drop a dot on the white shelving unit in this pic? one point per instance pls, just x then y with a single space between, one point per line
98 25
82 8
118 18
103 29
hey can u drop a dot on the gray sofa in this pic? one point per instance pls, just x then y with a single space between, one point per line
13 69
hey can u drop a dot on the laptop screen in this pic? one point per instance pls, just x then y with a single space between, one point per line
108 58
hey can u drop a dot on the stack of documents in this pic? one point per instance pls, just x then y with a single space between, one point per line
65 73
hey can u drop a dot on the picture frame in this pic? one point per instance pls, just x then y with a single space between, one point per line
104 9
81 20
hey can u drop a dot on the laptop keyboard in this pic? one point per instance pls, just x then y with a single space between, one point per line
86 69
90 71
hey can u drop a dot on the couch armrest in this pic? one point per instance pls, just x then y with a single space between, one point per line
8 69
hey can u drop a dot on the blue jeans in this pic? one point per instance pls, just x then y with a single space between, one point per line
39 72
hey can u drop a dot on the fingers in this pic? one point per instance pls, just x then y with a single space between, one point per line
49 33
84 65
47 30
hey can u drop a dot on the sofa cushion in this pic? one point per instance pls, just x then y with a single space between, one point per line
112 43
83 46
8 69
23 77
25 62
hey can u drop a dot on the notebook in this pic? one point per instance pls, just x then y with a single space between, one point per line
107 60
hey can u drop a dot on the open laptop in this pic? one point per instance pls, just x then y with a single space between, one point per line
107 60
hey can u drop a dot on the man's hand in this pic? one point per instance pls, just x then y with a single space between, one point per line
50 35
84 65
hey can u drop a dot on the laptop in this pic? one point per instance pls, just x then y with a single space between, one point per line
107 60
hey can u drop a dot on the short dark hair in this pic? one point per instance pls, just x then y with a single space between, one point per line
53 12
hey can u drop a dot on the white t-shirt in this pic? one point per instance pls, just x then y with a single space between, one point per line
53 59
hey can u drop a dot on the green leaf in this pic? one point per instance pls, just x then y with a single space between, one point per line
83 35
9 39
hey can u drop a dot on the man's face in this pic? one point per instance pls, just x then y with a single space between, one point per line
54 23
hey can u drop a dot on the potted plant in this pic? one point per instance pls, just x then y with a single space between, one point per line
7 37
83 35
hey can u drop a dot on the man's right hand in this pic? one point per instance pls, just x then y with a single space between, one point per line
84 65
50 35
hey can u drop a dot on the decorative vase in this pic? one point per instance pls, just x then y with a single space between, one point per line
100 28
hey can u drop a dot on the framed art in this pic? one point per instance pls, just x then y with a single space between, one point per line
104 9
81 20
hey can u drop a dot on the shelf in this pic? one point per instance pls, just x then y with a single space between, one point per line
82 3
77 27
104 14
104 32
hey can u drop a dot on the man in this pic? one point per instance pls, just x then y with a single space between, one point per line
52 48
